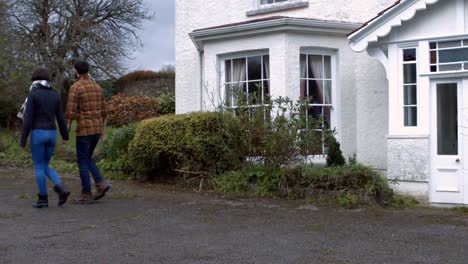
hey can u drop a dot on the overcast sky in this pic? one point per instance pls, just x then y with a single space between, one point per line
158 38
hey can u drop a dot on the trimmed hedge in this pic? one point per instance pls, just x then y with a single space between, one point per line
123 110
200 143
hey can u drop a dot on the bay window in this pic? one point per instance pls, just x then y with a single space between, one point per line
247 81
316 84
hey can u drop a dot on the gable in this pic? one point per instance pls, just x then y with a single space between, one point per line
438 20
389 19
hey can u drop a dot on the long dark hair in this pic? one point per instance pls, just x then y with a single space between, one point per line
40 74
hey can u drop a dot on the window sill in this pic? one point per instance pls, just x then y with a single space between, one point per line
265 9
448 74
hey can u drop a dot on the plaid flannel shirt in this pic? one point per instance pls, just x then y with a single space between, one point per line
86 105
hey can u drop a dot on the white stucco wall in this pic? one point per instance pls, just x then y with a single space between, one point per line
197 14
362 105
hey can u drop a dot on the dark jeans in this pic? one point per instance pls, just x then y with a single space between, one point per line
85 146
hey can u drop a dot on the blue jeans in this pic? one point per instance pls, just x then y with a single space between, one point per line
85 146
42 148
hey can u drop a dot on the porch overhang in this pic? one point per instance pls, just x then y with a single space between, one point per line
382 25
270 25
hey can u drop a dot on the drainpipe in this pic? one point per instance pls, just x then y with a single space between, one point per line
200 57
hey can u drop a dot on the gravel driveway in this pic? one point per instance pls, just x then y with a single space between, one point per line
144 223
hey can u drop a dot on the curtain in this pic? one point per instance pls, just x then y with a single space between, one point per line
316 72
303 65
239 77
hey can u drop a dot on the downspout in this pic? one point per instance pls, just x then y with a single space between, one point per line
200 58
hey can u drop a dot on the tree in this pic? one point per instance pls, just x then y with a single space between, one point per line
57 33
168 68
14 71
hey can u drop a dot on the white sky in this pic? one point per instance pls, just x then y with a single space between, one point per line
158 38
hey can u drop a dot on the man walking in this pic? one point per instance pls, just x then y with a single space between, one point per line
86 105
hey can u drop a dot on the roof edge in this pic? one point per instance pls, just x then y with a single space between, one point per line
388 19
269 25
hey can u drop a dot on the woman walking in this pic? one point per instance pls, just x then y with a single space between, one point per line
40 111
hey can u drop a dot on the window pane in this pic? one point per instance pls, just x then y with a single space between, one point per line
450 44
452 67
410 75
328 92
409 55
433 68
316 92
315 67
228 99
327 117
433 57
266 92
303 64
447 115
255 93
266 67
315 112
410 96
411 117
239 69
227 70
327 62
433 45
255 68
465 42
303 91
453 55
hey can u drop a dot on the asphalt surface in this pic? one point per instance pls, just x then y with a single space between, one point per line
145 223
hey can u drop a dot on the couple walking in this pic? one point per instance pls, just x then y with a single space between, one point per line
40 113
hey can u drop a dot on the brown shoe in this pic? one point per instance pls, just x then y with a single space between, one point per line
84 199
101 189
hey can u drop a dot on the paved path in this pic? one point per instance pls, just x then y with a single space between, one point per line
158 224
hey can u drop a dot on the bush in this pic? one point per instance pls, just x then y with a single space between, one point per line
123 110
358 179
334 155
202 143
262 180
166 104
114 150
143 75
279 138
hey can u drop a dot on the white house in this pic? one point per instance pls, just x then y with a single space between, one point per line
392 88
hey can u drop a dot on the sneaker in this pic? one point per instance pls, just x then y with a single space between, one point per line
84 199
101 189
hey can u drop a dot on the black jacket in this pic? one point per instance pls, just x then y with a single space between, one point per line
43 107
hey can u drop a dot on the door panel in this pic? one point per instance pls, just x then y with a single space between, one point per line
447 152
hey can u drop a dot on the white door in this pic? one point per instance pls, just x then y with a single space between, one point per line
447 170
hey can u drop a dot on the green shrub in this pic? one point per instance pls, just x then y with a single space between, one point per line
114 150
357 178
198 142
348 200
167 104
334 155
401 202
262 180
278 132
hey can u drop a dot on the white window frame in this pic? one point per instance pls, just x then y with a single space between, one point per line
403 84
245 56
333 122
463 45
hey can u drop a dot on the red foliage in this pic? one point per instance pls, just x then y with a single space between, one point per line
123 110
